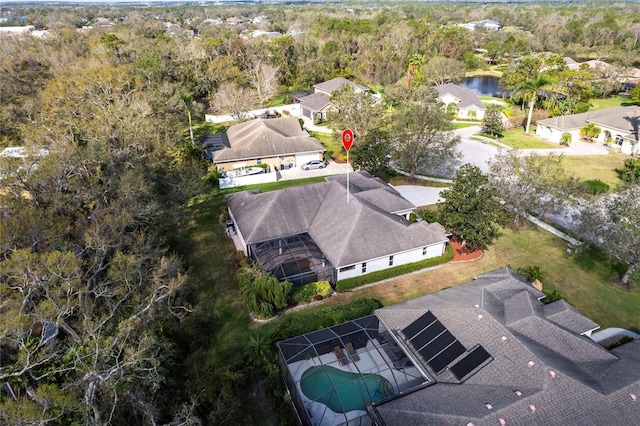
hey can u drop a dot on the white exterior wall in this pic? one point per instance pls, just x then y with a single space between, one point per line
464 113
403 258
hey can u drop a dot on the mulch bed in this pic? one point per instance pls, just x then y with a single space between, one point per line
463 256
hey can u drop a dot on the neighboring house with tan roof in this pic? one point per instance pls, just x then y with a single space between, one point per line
309 233
317 105
619 127
278 142
462 101
487 352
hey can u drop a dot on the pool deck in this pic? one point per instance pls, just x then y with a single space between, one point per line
372 360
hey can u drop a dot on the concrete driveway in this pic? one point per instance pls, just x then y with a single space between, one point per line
420 195
332 169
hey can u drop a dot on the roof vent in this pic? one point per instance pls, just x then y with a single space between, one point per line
517 392
504 338
489 406
502 421
532 408
552 374
531 363
470 424
479 316
477 306
633 396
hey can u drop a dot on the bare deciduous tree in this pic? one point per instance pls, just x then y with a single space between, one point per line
235 100
264 78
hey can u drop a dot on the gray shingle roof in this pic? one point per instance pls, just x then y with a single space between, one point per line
266 138
334 84
542 372
315 102
346 233
467 96
621 117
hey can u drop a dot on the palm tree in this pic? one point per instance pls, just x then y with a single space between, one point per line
533 87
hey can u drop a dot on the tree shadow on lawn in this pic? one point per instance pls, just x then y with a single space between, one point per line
592 259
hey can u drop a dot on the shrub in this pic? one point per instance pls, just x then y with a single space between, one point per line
428 215
531 273
297 323
595 187
631 171
313 291
261 292
551 296
349 283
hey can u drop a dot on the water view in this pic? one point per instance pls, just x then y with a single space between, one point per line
484 85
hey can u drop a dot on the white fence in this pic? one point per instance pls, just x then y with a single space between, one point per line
292 109
232 182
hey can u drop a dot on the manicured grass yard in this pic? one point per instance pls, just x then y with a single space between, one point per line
516 138
614 101
332 143
584 281
596 167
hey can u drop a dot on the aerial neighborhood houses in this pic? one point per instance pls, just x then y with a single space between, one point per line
485 24
487 352
463 102
619 127
316 105
318 232
276 142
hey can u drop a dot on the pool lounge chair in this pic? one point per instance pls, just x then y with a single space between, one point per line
342 358
352 352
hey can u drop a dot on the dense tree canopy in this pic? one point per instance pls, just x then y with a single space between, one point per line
471 209
90 281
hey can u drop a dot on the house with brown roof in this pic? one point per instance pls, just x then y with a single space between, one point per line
461 101
277 142
318 232
487 352
619 127
316 105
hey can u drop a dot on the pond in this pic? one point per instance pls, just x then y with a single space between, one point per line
484 85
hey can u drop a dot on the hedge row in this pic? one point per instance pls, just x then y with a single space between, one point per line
308 292
349 283
305 321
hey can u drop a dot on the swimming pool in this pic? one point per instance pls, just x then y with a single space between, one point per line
343 391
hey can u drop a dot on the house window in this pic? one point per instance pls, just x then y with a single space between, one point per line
348 268
619 140
259 161
390 260
364 267
424 251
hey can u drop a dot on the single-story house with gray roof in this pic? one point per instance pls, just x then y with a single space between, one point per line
487 352
311 232
465 102
619 127
318 103
277 142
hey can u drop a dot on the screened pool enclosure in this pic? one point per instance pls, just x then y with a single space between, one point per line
334 374
296 259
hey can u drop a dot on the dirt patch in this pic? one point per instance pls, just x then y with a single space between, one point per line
460 255
618 283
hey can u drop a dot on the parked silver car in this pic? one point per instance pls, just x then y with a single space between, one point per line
314 164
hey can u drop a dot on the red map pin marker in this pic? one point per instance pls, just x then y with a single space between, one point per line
347 139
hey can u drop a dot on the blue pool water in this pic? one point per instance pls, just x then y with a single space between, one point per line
343 391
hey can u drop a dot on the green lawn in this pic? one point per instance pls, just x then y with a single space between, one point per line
584 279
459 125
516 138
596 167
614 101
277 100
332 143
